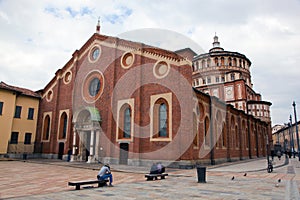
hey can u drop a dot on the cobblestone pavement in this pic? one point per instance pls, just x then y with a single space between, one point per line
48 179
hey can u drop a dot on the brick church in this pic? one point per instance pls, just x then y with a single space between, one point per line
130 103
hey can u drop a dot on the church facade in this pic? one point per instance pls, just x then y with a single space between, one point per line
126 102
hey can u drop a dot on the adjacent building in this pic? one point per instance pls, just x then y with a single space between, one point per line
19 109
226 75
286 137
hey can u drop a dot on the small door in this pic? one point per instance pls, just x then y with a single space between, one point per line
124 153
61 147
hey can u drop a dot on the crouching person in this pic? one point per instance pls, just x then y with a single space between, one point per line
105 173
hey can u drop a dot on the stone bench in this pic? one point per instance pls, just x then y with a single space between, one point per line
150 177
77 184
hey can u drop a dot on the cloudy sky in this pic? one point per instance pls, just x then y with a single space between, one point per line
38 37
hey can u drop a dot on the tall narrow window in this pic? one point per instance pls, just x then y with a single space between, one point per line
232 76
18 111
27 138
30 113
216 62
1 107
208 80
127 123
195 130
163 120
224 136
222 79
14 138
63 126
237 143
206 127
208 62
46 131
229 62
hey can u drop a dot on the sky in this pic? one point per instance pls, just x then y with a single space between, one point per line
39 37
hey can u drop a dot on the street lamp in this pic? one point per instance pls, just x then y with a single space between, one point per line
296 123
291 136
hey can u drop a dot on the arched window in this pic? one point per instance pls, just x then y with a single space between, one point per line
208 62
206 128
216 61
195 130
63 126
125 120
234 62
222 61
247 138
232 76
46 131
163 116
224 135
229 62
127 123
237 142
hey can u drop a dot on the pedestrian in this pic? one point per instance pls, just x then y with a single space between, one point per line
160 168
279 154
105 173
272 154
69 154
154 169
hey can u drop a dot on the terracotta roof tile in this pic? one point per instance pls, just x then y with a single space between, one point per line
22 91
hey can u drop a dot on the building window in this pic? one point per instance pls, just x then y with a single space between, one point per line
1 107
208 80
63 126
206 129
14 138
195 130
217 79
163 120
222 79
161 117
232 76
204 81
224 136
222 61
216 62
27 138
127 123
229 62
94 53
94 87
30 113
18 111
208 62
46 129
125 119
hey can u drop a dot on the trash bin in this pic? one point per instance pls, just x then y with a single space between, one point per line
201 172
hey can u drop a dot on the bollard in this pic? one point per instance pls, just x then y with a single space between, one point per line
201 173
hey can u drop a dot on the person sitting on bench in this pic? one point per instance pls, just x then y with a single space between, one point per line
105 173
157 168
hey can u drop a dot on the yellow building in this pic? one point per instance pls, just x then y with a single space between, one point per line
18 120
